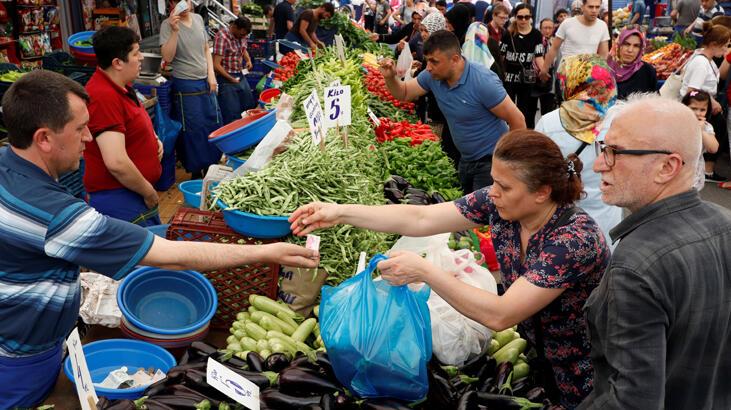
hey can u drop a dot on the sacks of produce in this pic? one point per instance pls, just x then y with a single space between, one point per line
378 336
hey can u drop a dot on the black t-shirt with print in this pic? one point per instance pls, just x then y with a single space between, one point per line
519 53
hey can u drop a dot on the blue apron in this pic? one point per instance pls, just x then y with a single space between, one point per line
27 381
198 112
125 205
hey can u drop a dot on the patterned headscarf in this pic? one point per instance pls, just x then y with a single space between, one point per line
475 47
434 22
624 72
589 90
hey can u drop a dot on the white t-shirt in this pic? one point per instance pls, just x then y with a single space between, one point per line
700 74
579 38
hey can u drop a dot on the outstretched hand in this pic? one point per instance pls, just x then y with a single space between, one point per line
310 217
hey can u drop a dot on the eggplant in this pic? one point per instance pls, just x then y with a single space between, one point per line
263 379
234 361
383 404
185 358
504 402
520 388
327 402
106 404
312 407
178 400
504 372
278 400
486 385
468 401
441 392
255 362
158 387
196 380
473 366
536 394
305 382
276 362
152 404
437 198
203 349
401 182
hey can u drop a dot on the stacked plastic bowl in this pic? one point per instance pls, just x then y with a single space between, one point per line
171 309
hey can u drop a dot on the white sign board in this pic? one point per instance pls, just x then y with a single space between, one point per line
374 118
337 106
232 385
340 47
315 118
84 386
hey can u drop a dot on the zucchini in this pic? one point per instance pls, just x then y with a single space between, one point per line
248 344
284 326
494 347
518 343
265 304
504 337
255 331
520 370
506 355
304 330
268 324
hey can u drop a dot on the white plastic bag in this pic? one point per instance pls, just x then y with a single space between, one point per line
455 337
403 65
264 151
99 300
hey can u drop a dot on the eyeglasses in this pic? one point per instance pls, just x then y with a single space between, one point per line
610 152
523 17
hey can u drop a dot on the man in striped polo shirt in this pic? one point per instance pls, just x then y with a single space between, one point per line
709 9
46 234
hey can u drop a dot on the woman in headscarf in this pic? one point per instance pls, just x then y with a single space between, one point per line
458 20
589 91
631 73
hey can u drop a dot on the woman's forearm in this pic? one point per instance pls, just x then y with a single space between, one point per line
170 47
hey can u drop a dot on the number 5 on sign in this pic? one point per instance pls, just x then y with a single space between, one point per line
337 106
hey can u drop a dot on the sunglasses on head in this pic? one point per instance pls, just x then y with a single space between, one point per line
523 17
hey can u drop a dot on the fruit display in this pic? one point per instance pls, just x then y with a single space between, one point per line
288 67
667 59
620 17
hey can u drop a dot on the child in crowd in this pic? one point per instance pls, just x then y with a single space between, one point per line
700 103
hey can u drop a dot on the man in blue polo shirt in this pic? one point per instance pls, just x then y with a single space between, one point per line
472 98
46 234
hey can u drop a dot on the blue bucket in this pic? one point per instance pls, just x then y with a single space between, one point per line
167 302
84 35
234 161
106 355
256 226
242 134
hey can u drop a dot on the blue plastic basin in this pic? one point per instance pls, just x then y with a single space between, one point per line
192 191
167 302
234 161
244 133
106 355
256 226
84 35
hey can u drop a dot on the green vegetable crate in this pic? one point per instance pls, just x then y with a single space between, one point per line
233 286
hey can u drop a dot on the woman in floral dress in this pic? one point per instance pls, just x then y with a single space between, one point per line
551 254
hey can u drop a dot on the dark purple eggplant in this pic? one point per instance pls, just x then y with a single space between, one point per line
299 381
489 369
504 402
196 380
153 404
536 394
276 362
472 366
234 361
485 386
255 362
504 370
383 404
520 387
312 407
185 358
327 402
106 404
158 387
203 349
179 400
468 401
263 379
183 389
437 198
278 400
441 392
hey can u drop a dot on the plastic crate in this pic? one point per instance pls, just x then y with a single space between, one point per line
254 77
64 63
259 48
164 93
234 285
258 66
74 182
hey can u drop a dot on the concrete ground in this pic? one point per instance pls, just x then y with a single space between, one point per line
711 192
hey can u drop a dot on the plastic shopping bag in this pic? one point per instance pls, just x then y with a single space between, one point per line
404 62
378 336
455 337
166 129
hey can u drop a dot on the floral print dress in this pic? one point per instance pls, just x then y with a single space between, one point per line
573 256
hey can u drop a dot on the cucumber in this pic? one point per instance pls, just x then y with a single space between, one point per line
520 370
519 344
248 344
255 331
506 355
504 337
268 324
304 330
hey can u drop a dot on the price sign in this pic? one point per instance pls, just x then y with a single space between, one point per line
84 386
315 118
337 106
236 387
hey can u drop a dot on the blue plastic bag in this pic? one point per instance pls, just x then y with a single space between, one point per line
378 336
166 129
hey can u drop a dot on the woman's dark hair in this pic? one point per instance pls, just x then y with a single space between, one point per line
522 6
700 96
113 42
459 17
715 34
538 161
38 99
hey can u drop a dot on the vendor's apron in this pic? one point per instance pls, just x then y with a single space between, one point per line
234 98
197 110
125 205
27 381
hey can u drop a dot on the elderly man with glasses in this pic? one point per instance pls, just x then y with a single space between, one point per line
660 319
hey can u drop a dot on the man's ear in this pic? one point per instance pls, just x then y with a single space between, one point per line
43 139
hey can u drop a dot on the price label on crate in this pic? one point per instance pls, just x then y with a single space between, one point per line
337 106
315 118
82 379
236 387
